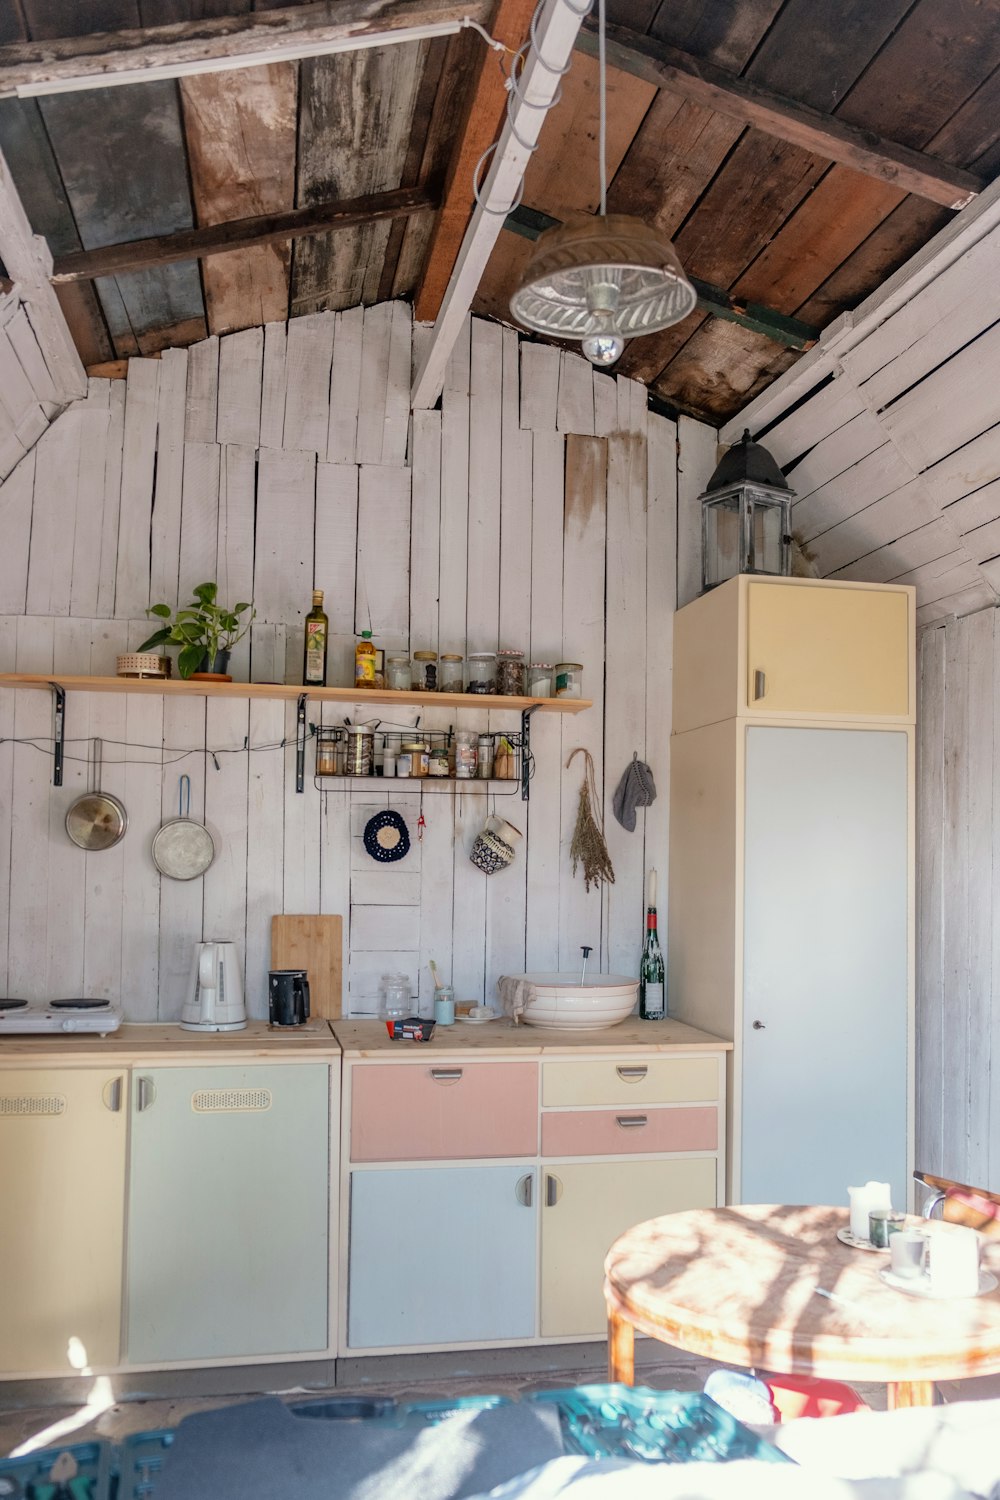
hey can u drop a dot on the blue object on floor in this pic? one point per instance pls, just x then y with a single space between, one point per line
31 1477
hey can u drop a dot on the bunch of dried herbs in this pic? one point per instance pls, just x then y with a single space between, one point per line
588 847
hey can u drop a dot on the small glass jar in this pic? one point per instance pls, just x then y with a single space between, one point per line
569 679
539 679
482 672
466 754
510 674
404 763
390 750
424 672
398 674
437 764
450 676
484 756
417 751
329 753
360 750
394 1000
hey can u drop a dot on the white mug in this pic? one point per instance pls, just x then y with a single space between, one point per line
953 1260
907 1253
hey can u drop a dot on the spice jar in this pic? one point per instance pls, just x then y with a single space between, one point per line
437 764
450 678
569 679
510 674
539 679
424 672
466 754
329 753
389 752
360 750
417 751
485 756
398 674
482 672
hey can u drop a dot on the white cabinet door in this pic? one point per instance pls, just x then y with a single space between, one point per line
228 1239
441 1255
825 964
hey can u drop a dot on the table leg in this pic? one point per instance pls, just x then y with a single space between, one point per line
910 1393
621 1349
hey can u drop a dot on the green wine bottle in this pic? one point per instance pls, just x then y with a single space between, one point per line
652 975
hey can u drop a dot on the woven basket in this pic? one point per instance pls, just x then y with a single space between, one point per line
143 664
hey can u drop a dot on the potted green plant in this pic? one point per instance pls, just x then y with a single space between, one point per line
205 631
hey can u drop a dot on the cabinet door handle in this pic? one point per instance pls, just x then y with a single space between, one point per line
524 1189
145 1093
632 1122
112 1095
446 1075
760 1025
759 684
632 1075
553 1190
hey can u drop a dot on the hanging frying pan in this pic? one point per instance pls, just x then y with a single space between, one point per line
96 820
182 848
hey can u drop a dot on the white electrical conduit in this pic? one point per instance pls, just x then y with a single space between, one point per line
554 32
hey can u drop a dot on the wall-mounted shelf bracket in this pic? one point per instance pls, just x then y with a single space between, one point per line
300 744
525 751
58 732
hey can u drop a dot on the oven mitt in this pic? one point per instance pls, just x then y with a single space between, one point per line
636 789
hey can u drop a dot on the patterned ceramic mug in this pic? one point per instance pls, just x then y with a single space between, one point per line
490 853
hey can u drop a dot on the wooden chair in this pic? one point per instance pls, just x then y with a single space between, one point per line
960 1204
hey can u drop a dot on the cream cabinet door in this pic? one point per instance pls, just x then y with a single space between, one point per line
814 651
62 1201
585 1207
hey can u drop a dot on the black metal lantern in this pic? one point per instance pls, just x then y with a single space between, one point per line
745 516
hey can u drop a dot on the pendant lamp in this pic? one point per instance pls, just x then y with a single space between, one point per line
602 279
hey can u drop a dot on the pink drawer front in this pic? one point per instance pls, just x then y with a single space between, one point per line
436 1111
618 1132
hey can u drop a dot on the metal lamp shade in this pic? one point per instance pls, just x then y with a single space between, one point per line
603 276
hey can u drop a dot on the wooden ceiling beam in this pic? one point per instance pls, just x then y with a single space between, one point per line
238 234
481 127
242 41
823 135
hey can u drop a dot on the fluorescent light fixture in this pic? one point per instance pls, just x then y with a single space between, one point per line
287 52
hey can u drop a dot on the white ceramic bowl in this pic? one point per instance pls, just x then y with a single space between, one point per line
563 1004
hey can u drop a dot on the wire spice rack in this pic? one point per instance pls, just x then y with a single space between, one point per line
511 758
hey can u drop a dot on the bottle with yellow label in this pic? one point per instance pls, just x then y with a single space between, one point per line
364 661
317 640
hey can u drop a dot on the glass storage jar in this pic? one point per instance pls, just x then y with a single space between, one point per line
466 754
437 763
484 755
539 676
329 752
569 679
417 751
360 750
510 674
450 678
482 672
398 675
394 999
424 672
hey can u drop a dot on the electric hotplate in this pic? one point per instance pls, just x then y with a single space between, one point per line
24 1017
13 1004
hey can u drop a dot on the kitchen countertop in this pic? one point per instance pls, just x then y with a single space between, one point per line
370 1039
160 1043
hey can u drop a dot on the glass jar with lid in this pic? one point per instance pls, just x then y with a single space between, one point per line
329 752
539 679
437 764
424 672
510 674
482 672
569 679
417 752
466 754
450 677
398 675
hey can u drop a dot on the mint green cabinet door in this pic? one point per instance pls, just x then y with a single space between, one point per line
228 1232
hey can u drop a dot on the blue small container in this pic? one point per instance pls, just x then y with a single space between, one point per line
31 1475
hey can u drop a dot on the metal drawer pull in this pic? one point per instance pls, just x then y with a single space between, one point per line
112 1095
632 1075
145 1093
553 1190
446 1075
523 1189
759 685
632 1122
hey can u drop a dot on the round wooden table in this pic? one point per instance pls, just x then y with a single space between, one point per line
740 1285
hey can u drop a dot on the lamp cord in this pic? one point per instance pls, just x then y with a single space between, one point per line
602 142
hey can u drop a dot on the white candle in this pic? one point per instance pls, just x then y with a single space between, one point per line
651 897
863 1200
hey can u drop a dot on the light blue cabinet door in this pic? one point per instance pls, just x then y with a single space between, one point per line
442 1255
228 1229
825 953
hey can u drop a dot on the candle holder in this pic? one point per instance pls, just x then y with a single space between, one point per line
883 1222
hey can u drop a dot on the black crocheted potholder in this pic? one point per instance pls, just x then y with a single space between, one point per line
387 837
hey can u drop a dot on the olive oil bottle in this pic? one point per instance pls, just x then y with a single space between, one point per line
317 641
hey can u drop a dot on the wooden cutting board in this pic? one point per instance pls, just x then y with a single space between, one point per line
316 945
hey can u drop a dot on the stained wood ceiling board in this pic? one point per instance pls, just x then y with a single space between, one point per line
241 138
110 144
315 944
726 32
400 280
816 63
52 18
355 111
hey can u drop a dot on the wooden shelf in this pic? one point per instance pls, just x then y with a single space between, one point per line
173 687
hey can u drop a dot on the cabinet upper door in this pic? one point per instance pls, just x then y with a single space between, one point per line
229 1212
62 1200
821 651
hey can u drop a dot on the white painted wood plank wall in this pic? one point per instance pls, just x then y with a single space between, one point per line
277 461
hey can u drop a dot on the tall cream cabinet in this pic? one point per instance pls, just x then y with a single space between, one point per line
791 875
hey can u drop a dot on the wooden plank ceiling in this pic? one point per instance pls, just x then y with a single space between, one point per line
774 230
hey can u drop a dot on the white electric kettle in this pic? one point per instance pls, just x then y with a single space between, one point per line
215 998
